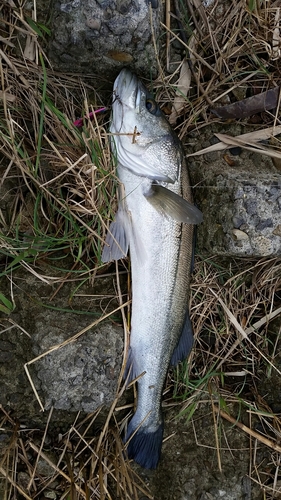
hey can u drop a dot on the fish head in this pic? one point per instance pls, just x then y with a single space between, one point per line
142 138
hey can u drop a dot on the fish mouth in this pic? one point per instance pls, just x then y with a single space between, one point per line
127 89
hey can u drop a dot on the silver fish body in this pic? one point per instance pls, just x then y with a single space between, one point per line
156 202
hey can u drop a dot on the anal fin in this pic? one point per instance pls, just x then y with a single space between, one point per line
185 342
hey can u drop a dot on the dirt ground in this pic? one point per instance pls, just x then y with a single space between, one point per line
204 457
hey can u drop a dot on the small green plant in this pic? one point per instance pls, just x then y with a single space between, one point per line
6 306
67 178
39 28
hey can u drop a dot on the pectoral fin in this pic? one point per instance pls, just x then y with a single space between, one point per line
117 239
169 203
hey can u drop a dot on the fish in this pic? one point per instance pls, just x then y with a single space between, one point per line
155 223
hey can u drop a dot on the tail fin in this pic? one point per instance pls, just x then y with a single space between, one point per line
143 446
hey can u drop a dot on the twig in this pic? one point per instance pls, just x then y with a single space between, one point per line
250 432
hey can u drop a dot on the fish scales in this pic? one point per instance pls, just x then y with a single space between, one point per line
160 287
160 253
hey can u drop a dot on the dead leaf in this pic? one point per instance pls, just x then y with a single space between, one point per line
229 160
30 48
117 55
276 36
241 140
249 145
181 92
250 106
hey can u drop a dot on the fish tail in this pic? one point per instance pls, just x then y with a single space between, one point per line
144 446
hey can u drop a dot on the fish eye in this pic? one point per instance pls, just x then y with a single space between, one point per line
151 106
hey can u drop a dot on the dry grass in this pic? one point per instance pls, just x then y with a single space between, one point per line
80 464
65 174
232 50
64 183
64 169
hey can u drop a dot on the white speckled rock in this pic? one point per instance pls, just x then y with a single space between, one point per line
83 374
102 36
241 203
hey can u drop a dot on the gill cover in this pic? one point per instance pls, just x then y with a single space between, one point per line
142 139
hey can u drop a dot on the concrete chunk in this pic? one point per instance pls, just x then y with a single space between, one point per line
241 203
102 36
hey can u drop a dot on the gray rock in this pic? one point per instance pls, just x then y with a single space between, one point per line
44 468
50 494
102 36
240 203
83 374
23 480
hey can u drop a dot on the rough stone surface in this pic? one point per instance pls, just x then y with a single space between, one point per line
80 375
240 197
102 36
